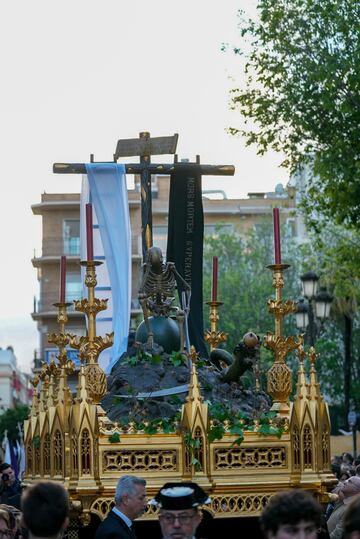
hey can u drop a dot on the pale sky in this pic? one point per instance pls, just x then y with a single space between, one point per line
76 76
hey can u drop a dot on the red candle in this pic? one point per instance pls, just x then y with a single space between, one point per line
276 220
214 278
89 232
62 278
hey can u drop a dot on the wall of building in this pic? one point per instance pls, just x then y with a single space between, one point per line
14 384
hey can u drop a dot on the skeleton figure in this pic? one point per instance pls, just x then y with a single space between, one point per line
156 293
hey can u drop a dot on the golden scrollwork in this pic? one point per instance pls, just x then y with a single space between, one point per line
89 350
146 460
279 384
249 457
280 345
95 382
282 308
90 308
60 339
214 338
229 505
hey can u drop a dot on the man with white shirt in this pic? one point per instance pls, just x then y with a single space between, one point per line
347 493
130 503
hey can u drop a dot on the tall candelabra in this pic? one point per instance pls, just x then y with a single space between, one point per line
214 337
279 383
91 345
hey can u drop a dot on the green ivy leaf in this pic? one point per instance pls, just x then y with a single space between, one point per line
216 433
114 438
156 359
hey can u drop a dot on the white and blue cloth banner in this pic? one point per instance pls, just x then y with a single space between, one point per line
105 187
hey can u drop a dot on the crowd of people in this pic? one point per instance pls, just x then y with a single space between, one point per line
42 510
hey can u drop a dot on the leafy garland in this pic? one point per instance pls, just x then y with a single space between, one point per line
223 421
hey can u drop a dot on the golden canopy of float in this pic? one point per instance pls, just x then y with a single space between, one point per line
71 440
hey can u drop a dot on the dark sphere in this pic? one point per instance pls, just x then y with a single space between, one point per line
166 333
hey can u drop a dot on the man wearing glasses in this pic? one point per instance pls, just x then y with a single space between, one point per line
179 509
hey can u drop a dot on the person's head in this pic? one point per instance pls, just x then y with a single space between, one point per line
7 473
5 525
352 519
130 496
350 487
179 515
344 476
45 509
347 458
14 519
357 470
290 515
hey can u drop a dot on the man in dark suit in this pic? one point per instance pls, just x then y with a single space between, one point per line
130 503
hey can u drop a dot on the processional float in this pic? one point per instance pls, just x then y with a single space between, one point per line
70 439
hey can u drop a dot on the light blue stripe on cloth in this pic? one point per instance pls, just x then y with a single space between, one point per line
108 190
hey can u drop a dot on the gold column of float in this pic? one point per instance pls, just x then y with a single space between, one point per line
279 375
214 337
92 345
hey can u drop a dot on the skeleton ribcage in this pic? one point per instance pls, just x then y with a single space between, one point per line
160 287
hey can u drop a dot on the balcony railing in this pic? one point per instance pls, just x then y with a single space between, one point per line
53 246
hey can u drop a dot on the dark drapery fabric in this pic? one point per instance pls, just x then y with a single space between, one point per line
185 245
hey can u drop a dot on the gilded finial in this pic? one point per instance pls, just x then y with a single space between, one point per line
35 397
302 387
314 385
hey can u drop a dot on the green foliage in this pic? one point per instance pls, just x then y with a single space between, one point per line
301 95
264 423
193 445
114 438
142 357
245 286
244 283
177 358
10 420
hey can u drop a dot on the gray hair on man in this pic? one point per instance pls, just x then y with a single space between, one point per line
126 485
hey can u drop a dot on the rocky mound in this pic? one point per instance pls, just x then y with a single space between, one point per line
141 372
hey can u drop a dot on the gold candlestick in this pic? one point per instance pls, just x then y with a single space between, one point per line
214 337
92 345
279 375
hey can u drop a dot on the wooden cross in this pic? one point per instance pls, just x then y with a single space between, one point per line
144 147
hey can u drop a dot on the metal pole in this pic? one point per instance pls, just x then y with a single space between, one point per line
312 327
354 442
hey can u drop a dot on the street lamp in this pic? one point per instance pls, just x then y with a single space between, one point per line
305 317
309 284
323 303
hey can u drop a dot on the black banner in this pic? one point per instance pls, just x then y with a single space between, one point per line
185 245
